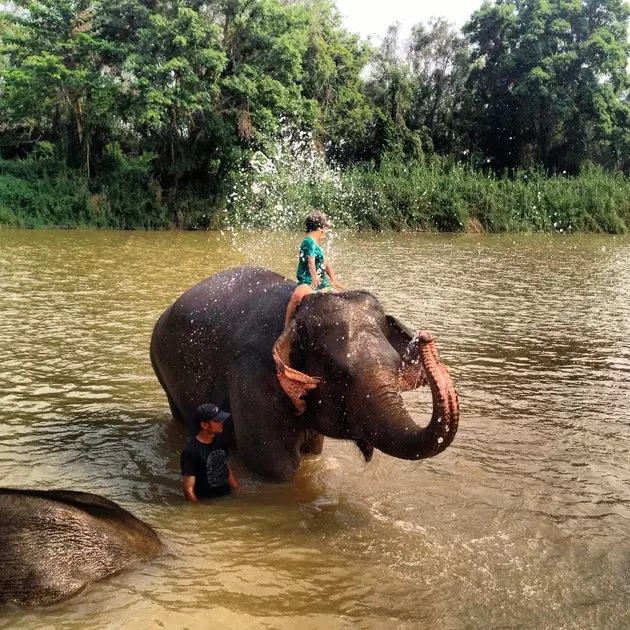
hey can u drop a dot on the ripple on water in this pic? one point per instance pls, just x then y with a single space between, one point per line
522 522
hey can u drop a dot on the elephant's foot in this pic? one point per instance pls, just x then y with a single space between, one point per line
313 443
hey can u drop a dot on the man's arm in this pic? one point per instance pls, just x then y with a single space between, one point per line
232 479
188 483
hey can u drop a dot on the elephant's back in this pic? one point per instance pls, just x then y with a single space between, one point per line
233 314
226 305
54 543
237 284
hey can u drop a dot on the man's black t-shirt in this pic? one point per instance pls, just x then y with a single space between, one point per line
207 463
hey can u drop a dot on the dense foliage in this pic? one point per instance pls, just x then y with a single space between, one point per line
155 113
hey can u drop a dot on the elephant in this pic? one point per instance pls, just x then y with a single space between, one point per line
336 370
53 543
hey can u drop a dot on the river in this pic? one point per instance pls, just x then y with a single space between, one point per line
524 522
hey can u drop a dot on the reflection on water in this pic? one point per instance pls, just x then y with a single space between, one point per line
522 523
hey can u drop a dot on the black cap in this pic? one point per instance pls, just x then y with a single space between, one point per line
209 413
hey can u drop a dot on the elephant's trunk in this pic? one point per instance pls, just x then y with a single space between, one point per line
387 425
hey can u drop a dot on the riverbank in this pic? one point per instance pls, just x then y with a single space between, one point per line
440 196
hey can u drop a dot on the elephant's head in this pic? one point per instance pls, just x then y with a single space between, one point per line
343 362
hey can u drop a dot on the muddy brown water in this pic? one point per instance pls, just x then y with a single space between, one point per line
523 522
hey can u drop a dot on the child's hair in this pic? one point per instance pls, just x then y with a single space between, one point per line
316 221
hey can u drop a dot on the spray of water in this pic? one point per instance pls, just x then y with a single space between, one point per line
280 187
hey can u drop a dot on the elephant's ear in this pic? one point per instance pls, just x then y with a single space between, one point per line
411 374
294 383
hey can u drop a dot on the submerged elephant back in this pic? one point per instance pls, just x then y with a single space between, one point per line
54 543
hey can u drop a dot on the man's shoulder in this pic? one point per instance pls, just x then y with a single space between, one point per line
196 446
193 446
219 442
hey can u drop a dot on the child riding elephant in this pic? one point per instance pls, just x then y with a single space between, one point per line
314 272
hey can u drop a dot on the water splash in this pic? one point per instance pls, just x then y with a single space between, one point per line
283 184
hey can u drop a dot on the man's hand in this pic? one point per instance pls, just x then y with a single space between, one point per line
232 479
189 489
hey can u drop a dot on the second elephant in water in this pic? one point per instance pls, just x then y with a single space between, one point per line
336 371
53 543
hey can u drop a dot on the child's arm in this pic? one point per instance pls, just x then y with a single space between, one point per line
331 274
313 272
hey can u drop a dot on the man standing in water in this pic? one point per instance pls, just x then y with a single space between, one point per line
205 469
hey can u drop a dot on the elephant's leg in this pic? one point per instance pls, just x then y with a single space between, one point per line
266 440
313 443
177 415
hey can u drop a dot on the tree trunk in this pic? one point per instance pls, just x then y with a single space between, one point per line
78 109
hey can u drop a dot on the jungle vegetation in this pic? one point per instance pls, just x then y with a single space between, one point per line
192 114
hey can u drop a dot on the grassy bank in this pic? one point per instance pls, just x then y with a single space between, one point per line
43 193
439 196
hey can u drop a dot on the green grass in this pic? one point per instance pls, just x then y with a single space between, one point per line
437 196
41 193
440 196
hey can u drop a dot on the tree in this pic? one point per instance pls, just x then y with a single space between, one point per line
172 77
390 90
439 63
548 80
53 89
332 66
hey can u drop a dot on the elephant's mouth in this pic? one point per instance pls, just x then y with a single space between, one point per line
365 447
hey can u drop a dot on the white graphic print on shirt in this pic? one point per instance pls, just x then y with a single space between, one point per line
217 468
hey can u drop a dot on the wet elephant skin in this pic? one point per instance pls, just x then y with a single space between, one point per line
53 543
336 371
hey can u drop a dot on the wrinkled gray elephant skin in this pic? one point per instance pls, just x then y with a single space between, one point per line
336 371
54 543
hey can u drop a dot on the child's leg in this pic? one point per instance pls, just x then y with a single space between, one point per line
300 291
